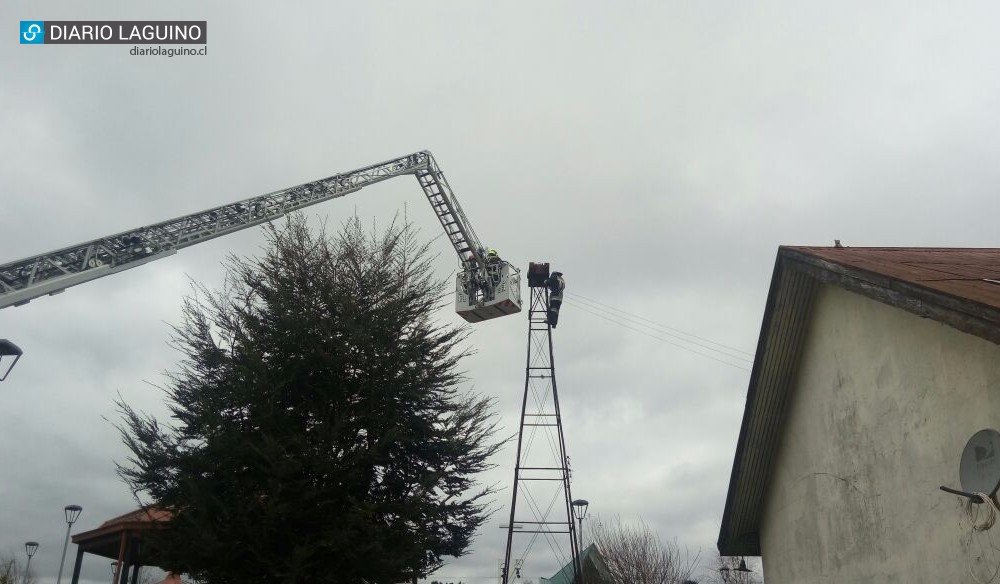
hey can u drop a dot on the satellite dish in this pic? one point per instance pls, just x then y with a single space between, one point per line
979 470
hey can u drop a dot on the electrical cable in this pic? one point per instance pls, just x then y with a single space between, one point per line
546 430
536 511
531 435
559 555
632 316
534 429
679 346
616 318
972 513
534 536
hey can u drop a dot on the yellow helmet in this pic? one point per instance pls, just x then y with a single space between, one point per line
492 253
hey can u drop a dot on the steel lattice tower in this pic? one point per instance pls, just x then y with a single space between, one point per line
540 469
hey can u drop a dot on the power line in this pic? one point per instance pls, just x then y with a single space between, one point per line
679 346
633 317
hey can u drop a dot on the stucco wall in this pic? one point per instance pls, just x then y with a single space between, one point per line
882 407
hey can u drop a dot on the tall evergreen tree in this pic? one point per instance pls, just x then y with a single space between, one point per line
318 431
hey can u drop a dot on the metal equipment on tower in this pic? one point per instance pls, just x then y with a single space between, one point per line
542 468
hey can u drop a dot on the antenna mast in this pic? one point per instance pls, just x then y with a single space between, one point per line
542 473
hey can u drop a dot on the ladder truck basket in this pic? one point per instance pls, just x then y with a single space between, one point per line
484 304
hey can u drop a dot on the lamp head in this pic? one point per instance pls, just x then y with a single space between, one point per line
30 547
72 513
9 352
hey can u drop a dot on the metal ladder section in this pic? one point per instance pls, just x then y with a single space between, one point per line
452 219
53 272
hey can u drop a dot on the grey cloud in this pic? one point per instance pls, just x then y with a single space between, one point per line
657 153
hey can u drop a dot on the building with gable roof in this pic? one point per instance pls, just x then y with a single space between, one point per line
873 368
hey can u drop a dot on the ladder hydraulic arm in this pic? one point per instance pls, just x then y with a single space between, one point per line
51 273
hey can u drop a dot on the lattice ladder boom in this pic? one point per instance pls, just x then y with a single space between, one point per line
466 245
51 273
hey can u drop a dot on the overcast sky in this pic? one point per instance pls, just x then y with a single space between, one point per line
657 153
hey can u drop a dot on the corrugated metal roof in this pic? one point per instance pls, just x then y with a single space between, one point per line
142 519
945 284
142 514
957 272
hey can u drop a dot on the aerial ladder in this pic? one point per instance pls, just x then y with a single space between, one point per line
485 287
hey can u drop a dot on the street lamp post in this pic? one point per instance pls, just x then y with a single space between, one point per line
30 547
72 513
580 510
8 349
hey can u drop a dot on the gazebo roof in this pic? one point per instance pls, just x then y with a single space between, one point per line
106 540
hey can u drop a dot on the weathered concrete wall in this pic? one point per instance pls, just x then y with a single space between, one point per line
883 405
